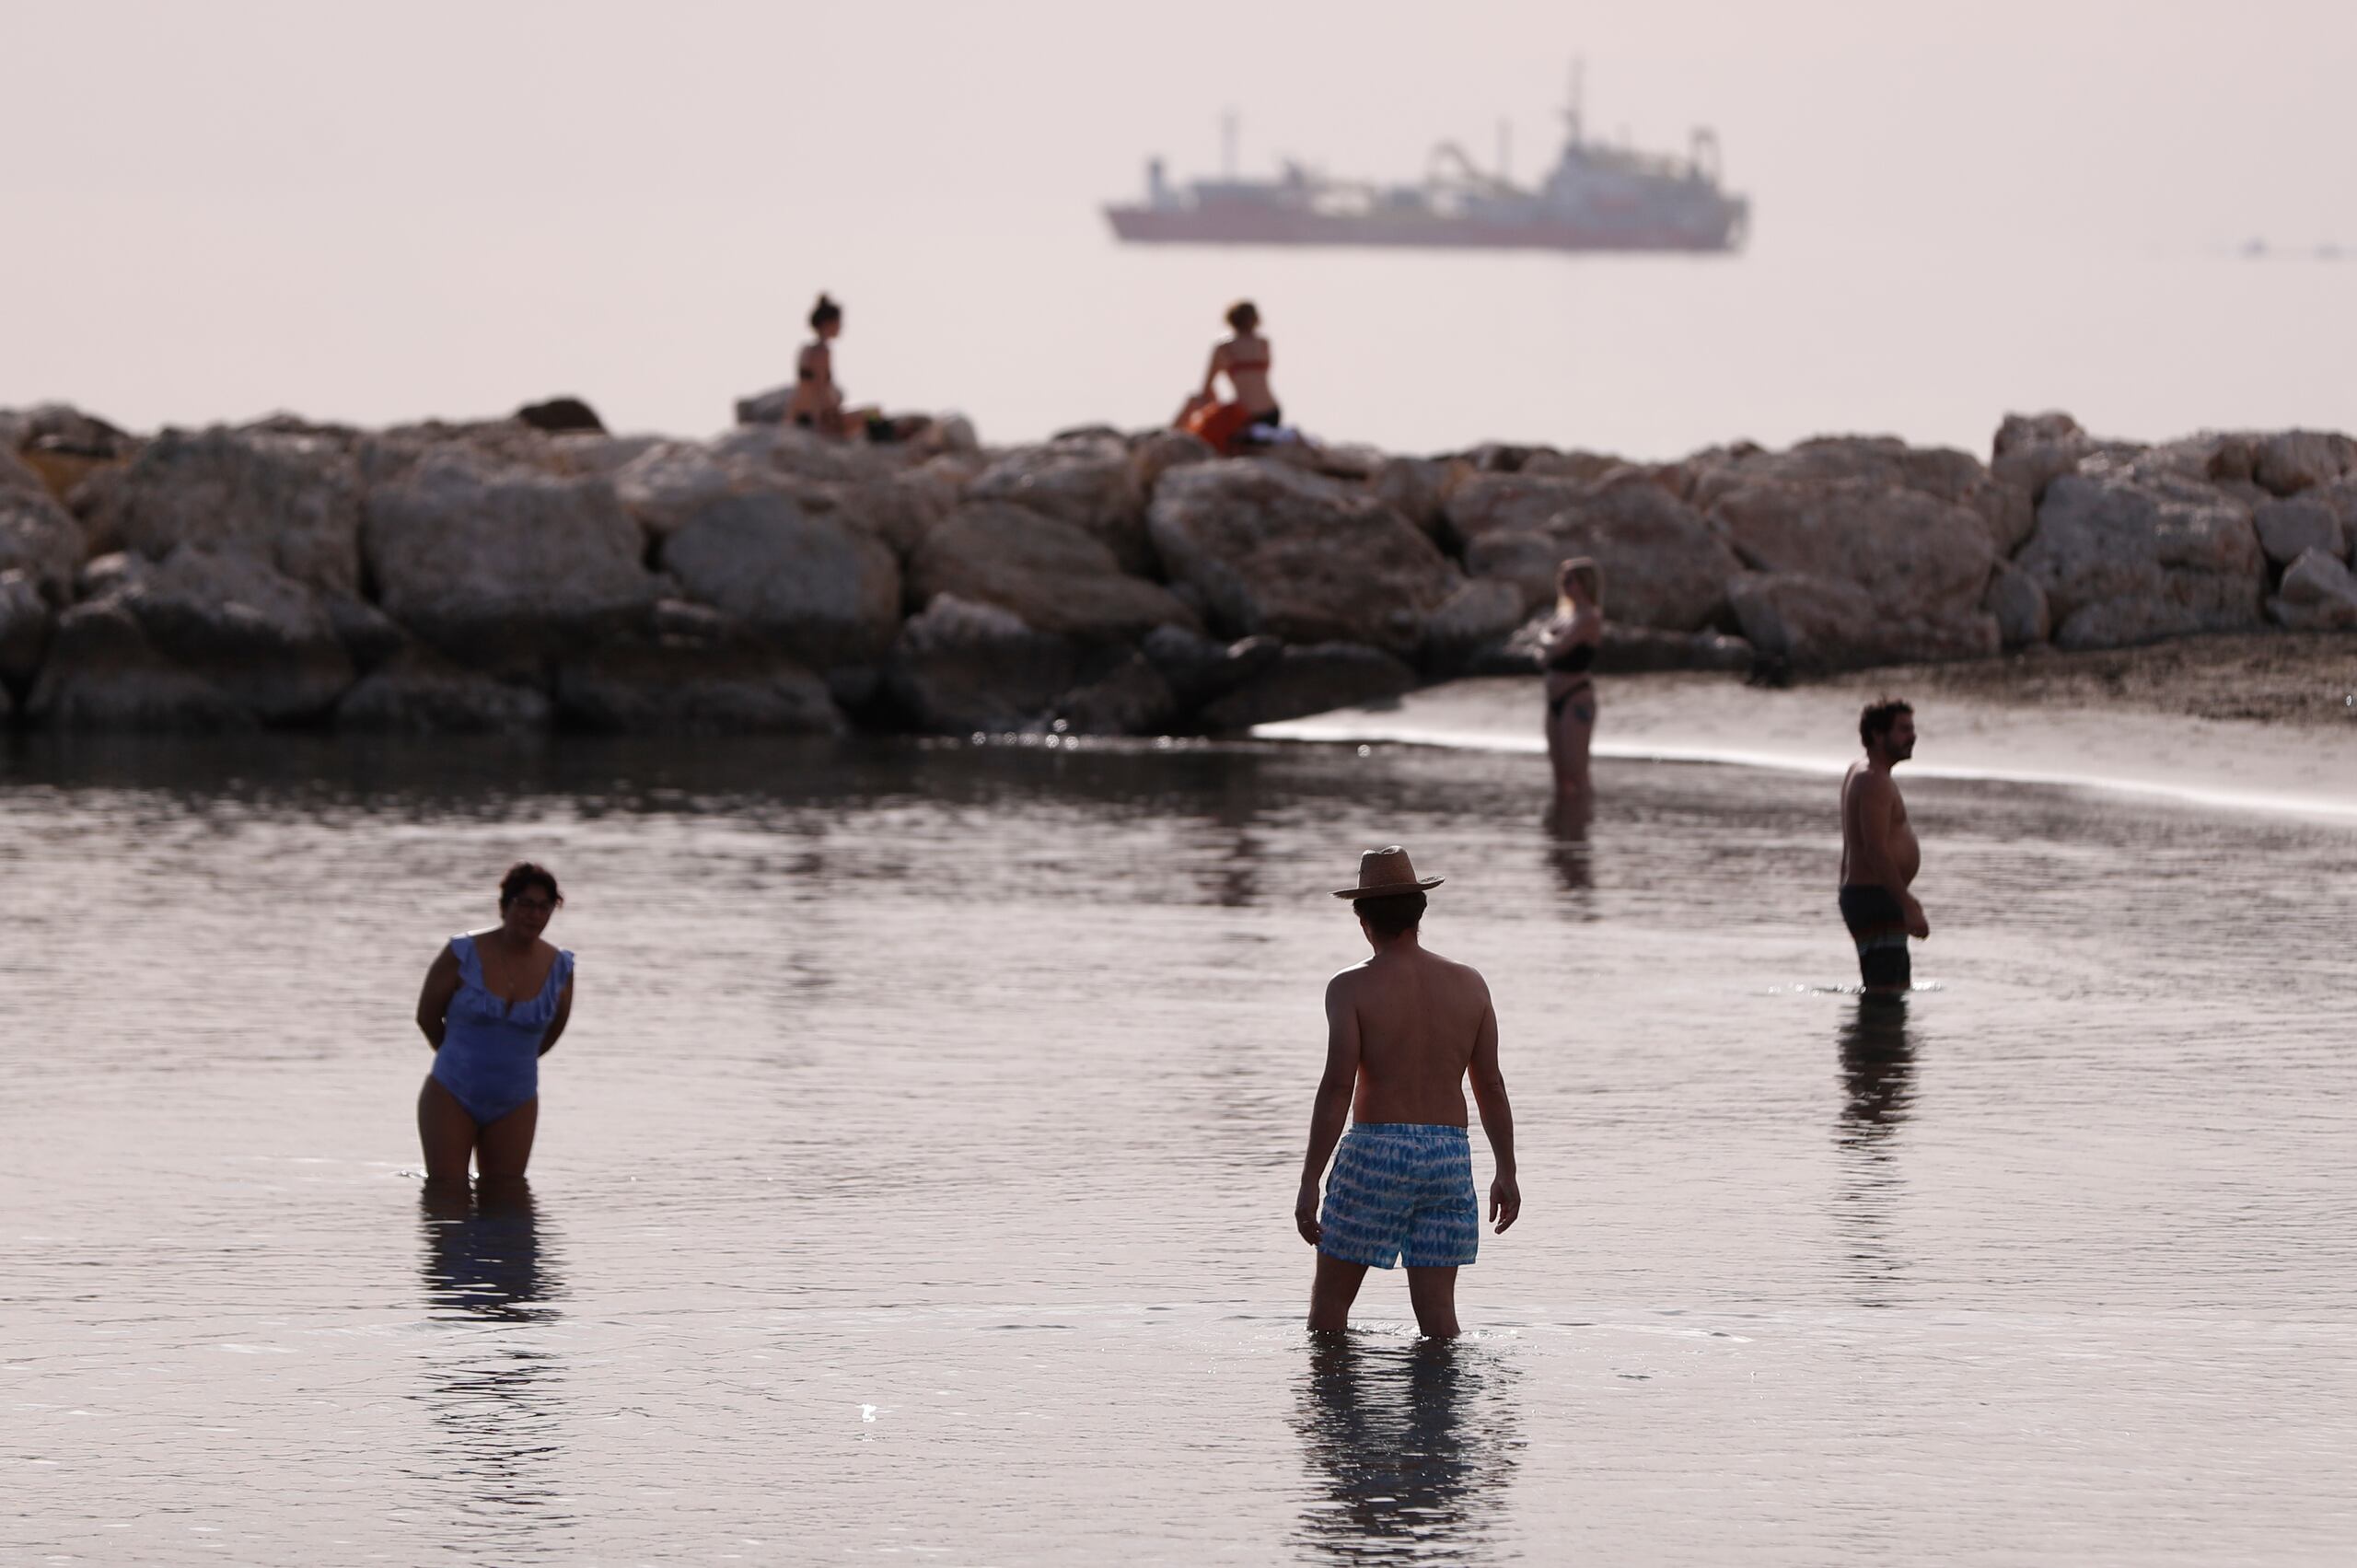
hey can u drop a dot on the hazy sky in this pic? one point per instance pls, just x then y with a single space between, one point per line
374 213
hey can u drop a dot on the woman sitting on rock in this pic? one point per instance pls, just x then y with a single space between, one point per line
1567 654
817 403
1243 359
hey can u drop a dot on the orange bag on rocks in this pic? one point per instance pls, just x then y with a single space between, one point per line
1219 424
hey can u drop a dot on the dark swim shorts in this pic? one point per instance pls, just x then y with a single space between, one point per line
1879 924
1403 1191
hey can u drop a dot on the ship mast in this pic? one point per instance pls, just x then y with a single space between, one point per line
1573 113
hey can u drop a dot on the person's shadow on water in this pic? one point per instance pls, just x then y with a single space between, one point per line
494 1389
1878 1093
1410 1446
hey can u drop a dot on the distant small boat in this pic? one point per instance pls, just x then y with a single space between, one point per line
1597 197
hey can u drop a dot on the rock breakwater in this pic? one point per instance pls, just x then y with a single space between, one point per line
503 576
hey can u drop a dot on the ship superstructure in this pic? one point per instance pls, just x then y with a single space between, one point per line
1597 197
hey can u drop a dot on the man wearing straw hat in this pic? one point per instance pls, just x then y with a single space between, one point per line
1403 1030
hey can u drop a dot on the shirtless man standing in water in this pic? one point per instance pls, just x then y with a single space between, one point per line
1879 854
1403 1030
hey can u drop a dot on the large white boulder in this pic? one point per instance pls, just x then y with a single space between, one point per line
1915 555
499 564
1662 565
292 501
1272 549
1088 480
826 592
1045 570
2125 559
1825 623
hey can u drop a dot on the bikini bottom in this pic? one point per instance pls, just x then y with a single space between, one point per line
1584 709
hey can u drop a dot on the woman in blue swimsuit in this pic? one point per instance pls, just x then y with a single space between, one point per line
495 1004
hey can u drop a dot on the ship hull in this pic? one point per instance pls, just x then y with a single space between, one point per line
1277 225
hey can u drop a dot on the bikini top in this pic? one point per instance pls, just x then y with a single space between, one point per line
1262 364
1573 659
476 1005
802 368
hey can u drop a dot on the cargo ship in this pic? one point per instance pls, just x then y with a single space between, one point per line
1598 196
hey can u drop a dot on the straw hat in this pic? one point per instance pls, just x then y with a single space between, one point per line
1383 872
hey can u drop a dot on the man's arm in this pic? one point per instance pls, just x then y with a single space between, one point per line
1331 1110
1497 1119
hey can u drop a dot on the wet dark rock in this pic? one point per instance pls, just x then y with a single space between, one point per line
1315 679
1130 699
25 622
103 674
264 640
369 636
420 693
681 686
960 668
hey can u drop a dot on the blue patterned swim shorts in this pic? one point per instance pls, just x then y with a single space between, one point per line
1401 1190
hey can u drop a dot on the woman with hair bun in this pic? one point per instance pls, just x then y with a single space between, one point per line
817 403
1243 359
495 1001
1567 655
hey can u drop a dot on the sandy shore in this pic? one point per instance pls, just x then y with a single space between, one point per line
2243 722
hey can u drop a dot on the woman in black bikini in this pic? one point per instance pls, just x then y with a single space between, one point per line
817 403
1568 656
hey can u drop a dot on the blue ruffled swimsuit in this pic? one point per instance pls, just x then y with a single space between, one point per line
490 1057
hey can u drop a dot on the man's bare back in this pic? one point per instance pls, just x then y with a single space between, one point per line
1420 1020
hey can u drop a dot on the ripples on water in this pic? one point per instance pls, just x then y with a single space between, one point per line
916 1176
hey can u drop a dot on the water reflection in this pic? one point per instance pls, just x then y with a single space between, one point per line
494 1391
1877 1081
1411 1447
1573 858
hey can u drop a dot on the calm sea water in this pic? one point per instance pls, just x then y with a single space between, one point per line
914 1181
